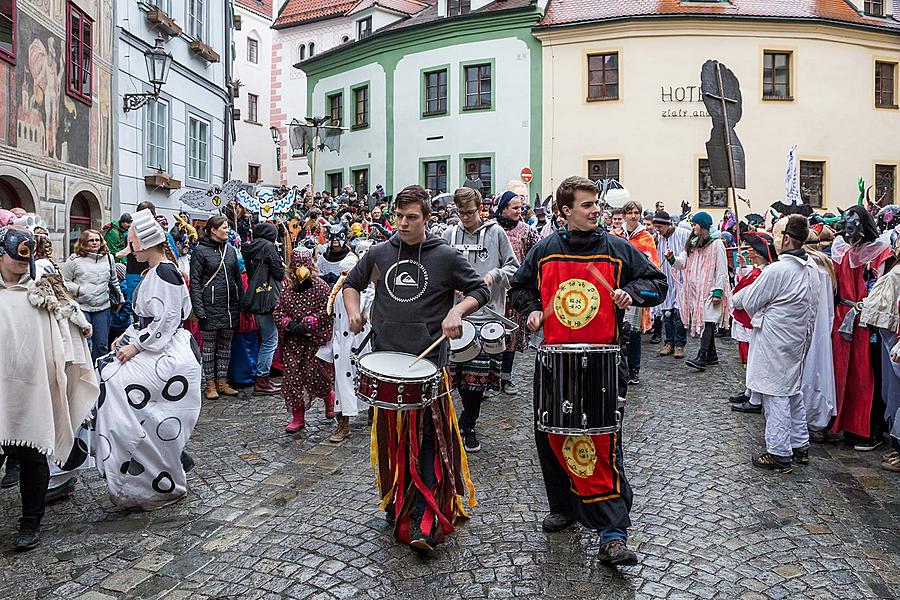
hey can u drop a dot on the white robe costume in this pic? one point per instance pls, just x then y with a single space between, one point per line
818 371
338 350
149 405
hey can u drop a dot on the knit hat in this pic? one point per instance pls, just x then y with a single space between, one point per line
145 232
505 198
662 218
703 219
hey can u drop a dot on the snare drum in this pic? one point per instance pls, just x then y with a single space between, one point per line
493 337
387 380
466 348
578 389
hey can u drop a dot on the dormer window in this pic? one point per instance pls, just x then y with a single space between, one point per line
874 8
458 7
364 28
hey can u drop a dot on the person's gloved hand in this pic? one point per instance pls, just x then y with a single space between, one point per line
295 328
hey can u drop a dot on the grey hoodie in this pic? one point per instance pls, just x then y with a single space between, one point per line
414 291
496 258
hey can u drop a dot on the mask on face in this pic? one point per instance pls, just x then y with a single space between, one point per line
19 245
853 229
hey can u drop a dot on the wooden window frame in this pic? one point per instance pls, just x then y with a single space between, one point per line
437 88
329 98
879 85
611 159
353 172
714 190
250 168
446 175
800 167
365 113
10 56
489 184
253 107
766 81
456 8
870 6
480 79
894 167
253 57
367 22
604 84
83 69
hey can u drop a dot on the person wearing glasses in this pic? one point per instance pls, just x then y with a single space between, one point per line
486 247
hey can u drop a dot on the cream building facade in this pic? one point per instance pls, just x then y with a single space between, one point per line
621 96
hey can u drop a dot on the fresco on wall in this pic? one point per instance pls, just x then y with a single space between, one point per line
45 121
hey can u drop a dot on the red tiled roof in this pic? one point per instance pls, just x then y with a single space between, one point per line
300 11
565 12
263 7
408 7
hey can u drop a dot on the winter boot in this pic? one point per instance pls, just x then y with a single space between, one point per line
297 422
329 405
265 387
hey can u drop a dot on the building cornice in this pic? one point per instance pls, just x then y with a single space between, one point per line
30 161
644 22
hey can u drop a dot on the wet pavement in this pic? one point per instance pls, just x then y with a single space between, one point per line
275 516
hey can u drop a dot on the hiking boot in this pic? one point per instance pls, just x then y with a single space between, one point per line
264 386
470 440
634 378
801 457
342 432
509 388
11 478
746 407
666 350
28 537
298 421
555 522
211 392
61 491
679 352
767 461
698 364
224 388
616 553
739 399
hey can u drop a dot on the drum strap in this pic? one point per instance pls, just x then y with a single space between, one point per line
459 235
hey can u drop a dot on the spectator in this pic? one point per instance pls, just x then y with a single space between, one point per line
115 235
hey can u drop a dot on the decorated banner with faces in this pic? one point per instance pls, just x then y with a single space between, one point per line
266 200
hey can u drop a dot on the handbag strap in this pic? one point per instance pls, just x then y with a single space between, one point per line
219 268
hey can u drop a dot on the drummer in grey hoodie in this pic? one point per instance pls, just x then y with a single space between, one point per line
485 246
88 274
416 278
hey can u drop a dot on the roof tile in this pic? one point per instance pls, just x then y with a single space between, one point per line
299 11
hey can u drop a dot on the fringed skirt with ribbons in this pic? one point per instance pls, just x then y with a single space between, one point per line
410 448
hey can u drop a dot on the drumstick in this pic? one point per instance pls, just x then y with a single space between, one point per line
596 272
428 349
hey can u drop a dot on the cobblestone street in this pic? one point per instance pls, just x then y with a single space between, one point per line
275 516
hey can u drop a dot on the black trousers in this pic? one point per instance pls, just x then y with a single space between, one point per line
708 342
471 401
34 478
426 461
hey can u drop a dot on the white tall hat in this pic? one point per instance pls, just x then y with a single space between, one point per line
148 232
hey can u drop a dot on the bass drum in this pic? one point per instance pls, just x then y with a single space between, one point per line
578 389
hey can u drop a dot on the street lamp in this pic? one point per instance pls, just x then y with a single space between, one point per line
276 139
158 63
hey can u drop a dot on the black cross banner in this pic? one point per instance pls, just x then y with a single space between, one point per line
722 97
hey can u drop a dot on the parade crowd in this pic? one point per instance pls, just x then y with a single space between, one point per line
112 352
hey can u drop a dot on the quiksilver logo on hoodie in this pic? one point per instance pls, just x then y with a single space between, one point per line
406 281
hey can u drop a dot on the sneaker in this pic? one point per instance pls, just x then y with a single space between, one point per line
418 540
634 379
470 440
616 553
61 491
868 445
801 457
28 538
11 478
666 350
712 361
767 461
509 388
890 455
739 399
746 407
556 522
698 364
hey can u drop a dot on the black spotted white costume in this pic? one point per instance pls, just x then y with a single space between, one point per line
149 405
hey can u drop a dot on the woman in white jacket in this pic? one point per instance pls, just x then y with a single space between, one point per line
88 274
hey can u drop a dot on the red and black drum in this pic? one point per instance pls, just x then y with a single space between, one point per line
389 380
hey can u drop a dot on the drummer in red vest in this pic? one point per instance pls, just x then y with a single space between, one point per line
563 287
417 276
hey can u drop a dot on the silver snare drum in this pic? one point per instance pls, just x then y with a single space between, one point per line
578 389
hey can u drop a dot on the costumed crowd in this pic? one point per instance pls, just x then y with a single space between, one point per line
112 352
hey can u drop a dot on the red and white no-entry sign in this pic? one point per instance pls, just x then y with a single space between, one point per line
526 175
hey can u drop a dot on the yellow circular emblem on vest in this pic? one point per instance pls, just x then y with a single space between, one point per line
576 303
580 455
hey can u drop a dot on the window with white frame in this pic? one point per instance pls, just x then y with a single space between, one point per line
198 149
156 135
196 18
252 51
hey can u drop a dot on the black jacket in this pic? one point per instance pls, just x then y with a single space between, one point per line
262 250
216 295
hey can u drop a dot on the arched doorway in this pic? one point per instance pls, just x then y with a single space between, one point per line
80 217
14 193
9 199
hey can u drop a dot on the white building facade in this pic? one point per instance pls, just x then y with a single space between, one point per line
255 151
183 140
432 99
